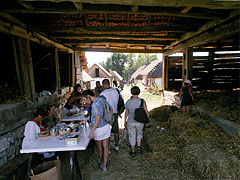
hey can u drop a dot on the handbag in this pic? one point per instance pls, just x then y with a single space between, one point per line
140 114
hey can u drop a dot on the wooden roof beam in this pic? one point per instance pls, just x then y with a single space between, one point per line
185 10
9 18
112 36
123 29
116 50
26 5
209 4
78 5
100 41
14 30
204 28
226 30
120 10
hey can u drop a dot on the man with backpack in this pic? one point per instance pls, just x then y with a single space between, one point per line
112 96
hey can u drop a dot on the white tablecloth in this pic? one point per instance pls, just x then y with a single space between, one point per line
52 144
75 118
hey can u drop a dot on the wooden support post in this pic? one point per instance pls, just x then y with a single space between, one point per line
165 72
57 70
18 68
69 69
24 68
187 64
30 67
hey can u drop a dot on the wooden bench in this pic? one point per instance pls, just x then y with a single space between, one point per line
9 170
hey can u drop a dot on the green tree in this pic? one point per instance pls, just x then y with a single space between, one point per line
116 62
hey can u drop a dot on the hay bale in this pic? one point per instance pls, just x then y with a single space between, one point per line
161 114
207 161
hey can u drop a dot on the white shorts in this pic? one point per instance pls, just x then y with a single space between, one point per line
102 133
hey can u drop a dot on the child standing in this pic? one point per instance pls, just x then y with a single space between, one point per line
186 96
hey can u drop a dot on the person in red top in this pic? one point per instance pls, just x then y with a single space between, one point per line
186 96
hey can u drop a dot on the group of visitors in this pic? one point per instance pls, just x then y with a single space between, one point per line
101 130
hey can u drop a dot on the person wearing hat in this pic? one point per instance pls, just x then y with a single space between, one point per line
186 96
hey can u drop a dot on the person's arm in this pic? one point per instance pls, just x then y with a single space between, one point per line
181 94
189 89
98 119
146 109
71 101
125 118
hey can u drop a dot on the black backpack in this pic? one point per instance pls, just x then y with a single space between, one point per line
120 106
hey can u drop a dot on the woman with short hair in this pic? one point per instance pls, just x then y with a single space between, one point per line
135 129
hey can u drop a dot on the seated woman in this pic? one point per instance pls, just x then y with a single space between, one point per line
75 99
32 129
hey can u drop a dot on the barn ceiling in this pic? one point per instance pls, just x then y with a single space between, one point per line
147 26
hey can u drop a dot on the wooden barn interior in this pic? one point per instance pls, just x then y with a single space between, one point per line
43 44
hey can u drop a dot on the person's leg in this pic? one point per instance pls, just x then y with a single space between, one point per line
115 130
188 108
131 135
100 149
139 134
116 137
184 109
105 152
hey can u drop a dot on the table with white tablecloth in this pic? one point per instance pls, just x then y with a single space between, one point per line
57 143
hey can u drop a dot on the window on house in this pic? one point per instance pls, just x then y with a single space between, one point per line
96 72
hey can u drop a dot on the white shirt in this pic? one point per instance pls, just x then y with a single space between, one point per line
30 133
112 97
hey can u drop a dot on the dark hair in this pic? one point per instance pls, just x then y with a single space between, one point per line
115 83
87 92
40 111
45 121
76 86
97 82
77 94
135 90
106 81
48 108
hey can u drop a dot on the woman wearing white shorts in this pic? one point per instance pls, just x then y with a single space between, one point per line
100 128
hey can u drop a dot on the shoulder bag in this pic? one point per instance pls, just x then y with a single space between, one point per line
140 114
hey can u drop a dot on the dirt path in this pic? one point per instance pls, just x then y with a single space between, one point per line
121 165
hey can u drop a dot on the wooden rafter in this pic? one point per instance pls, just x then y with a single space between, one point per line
116 50
100 41
223 31
204 28
210 4
185 10
30 35
160 11
101 29
26 5
112 36
78 5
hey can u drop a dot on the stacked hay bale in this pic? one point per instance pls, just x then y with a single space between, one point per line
193 143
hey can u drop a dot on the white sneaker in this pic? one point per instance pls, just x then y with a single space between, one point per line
109 152
116 148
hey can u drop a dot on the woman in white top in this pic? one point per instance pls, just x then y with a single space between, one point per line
33 127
